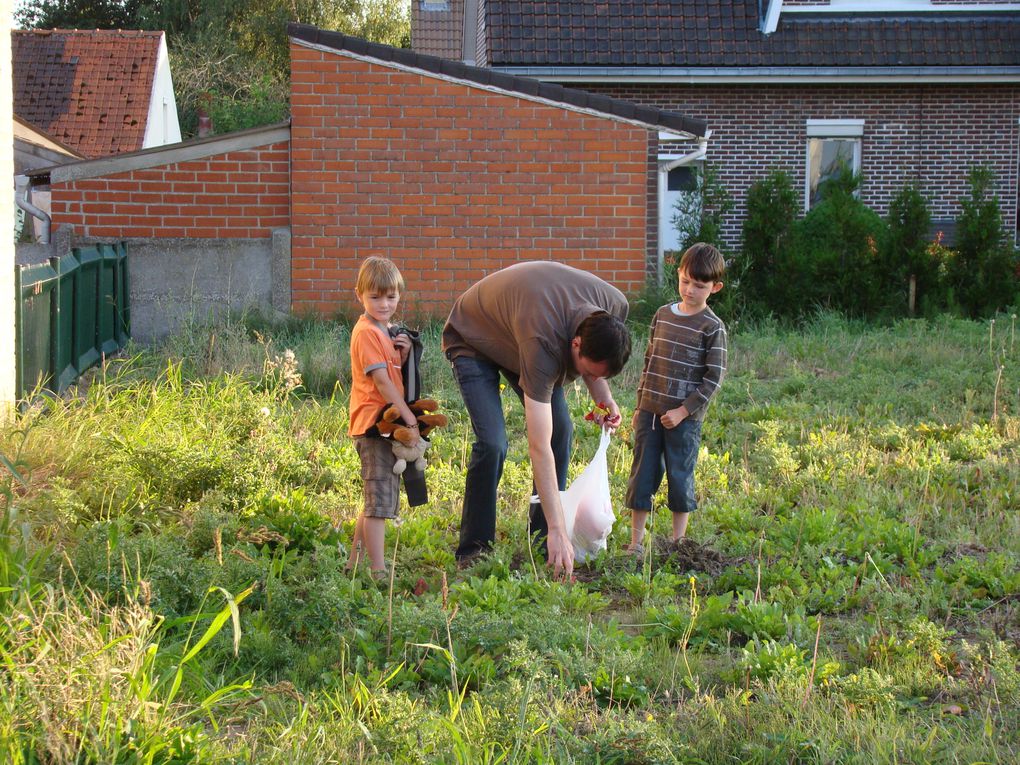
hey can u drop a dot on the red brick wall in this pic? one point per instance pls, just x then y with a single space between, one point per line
237 195
451 182
925 132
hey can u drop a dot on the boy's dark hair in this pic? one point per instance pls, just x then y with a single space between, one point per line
703 262
605 338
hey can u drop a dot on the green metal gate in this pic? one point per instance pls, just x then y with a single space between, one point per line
71 312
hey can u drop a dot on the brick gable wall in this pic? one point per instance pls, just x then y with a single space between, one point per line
452 182
237 195
931 133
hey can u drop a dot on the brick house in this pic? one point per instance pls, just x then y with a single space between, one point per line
451 170
902 90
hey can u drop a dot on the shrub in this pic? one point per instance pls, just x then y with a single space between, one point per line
834 258
983 273
766 234
906 256
939 258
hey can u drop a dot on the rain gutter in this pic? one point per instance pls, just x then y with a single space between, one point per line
766 75
21 189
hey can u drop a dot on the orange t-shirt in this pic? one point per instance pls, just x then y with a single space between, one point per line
371 348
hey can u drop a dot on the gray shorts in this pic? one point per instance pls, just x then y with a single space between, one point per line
382 485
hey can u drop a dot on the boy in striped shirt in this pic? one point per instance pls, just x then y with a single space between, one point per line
685 363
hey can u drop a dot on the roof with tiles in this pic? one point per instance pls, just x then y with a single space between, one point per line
441 28
524 86
89 89
726 34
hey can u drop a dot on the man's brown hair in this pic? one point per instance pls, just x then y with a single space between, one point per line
605 338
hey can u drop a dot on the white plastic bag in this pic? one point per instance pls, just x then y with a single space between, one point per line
587 507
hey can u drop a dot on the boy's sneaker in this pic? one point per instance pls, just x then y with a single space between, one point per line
638 551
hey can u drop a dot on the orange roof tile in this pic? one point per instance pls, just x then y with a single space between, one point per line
89 89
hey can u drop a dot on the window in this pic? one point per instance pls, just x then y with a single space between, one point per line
832 145
682 179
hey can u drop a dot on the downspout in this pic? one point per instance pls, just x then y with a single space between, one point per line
664 167
21 188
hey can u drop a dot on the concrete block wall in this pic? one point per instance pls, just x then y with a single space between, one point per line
242 194
452 181
925 132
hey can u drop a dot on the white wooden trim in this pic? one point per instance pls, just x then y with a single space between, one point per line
770 21
170 154
835 128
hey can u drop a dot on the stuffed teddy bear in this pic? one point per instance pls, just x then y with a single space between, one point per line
409 455
403 437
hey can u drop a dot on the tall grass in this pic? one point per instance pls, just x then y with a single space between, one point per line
172 585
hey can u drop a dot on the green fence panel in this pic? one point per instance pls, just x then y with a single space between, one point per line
86 308
122 296
70 311
107 301
36 287
62 339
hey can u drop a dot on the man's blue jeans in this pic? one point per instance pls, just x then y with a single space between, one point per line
479 380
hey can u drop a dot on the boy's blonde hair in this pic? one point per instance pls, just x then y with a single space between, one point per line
378 274
703 262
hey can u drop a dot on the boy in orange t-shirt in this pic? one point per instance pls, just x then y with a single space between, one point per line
376 359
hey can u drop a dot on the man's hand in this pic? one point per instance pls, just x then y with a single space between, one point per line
606 415
561 554
614 419
674 417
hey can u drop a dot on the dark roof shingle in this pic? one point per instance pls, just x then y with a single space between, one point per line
725 33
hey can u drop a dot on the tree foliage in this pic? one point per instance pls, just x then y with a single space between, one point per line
699 216
81 14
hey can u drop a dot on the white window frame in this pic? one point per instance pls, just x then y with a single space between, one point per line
821 130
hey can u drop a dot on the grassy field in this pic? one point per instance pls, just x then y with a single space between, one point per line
171 583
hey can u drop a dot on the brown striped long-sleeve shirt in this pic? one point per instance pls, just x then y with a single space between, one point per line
685 361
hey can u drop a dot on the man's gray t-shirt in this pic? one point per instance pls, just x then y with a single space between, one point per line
524 317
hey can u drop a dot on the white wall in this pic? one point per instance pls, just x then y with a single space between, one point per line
162 126
7 366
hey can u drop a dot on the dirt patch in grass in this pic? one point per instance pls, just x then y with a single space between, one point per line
688 555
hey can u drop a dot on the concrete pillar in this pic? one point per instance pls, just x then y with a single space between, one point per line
281 270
